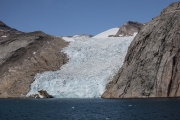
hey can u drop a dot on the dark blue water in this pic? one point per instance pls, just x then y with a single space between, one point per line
90 109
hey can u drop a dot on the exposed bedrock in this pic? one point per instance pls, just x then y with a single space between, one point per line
24 55
152 64
129 29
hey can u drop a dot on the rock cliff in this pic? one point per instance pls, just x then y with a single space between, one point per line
151 67
23 55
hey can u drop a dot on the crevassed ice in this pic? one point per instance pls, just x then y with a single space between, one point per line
75 37
92 64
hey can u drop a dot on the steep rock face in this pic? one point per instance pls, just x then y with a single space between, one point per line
151 67
129 29
24 55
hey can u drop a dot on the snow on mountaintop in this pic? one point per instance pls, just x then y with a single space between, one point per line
107 33
68 39
92 64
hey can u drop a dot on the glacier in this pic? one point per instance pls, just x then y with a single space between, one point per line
92 64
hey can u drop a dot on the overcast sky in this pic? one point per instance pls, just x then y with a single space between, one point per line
71 17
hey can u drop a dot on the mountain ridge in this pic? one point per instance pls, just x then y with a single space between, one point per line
23 55
6 30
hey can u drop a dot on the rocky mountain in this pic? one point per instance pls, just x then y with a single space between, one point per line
129 29
151 67
6 30
23 55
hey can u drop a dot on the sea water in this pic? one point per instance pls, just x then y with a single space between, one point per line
90 109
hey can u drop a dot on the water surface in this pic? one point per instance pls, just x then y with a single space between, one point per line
90 109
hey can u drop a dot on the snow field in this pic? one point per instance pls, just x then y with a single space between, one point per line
105 34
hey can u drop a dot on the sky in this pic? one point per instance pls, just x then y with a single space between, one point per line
73 17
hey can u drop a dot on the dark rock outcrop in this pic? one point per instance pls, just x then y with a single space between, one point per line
152 64
129 29
42 94
81 35
45 94
85 35
24 55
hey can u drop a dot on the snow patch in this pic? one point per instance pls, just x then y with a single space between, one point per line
105 34
92 64
3 36
68 39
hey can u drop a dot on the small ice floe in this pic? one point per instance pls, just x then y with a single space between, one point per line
129 105
72 107
107 118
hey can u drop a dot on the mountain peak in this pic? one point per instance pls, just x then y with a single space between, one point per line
3 26
6 30
129 29
173 7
